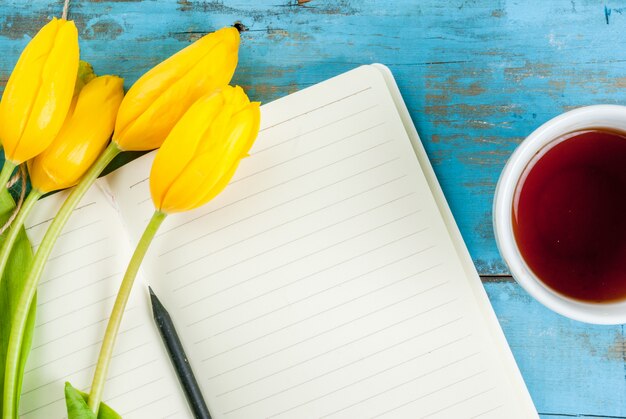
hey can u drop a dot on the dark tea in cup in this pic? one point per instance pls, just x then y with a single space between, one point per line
569 215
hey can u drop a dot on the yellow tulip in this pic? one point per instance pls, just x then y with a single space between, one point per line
160 97
82 138
39 91
201 154
195 162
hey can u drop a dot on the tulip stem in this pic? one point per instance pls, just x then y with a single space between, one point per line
29 288
7 171
106 350
18 222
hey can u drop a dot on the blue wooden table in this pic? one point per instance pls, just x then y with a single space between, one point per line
477 76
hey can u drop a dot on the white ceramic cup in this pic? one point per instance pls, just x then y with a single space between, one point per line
609 117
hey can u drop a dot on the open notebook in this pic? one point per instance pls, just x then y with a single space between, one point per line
328 280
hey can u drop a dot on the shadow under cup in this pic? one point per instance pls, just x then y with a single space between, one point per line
569 215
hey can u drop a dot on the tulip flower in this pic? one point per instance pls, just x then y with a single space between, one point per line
161 96
39 92
194 164
203 150
82 138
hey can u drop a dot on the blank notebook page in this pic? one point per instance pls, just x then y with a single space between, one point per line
323 282
75 297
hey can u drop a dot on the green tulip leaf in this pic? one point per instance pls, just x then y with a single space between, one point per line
76 405
10 289
77 408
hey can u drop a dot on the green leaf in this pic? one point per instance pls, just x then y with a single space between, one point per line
10 288
77 408
76 405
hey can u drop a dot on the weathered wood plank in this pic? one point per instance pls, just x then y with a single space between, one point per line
477 75
570 368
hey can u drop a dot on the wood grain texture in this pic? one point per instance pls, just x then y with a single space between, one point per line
477 76
571 369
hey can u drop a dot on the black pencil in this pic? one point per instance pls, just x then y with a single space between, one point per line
179 359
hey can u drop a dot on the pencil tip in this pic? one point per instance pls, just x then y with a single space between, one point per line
152 294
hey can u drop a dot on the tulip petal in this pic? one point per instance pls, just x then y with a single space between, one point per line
23 85
171 205
83 136
39 91
159 98
181 145
202 152
208 173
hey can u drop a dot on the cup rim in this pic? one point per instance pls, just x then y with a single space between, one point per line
612 117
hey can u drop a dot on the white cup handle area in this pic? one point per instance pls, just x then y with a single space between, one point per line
607 117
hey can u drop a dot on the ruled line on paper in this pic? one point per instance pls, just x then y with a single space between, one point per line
378 352
331 267
333 183
335 224
64 233
47 220
447 386
342 119
145 200
127 392
186 243
82 348
292 303
83 369
294 260
325 207
291 387
78 330
308 152
121 374
76 269
41 407
75 310
317 108
443 388
124 393
296 198
138 182
360 380
72 291
459 402
117 376
332 329
493 409
360 338
396 386
83 246
158 399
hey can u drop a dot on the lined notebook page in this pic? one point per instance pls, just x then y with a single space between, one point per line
323 281
75 298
